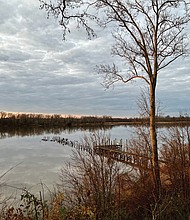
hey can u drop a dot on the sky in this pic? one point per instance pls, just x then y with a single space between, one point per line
42 73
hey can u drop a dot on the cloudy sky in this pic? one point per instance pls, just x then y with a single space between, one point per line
41 73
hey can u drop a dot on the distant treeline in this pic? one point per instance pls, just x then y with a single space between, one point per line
57 120
46 120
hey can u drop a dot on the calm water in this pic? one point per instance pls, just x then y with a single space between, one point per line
38 161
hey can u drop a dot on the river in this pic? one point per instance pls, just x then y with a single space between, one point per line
33 161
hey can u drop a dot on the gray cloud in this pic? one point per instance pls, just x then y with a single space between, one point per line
39 72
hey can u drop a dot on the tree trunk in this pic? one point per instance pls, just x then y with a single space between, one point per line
153 140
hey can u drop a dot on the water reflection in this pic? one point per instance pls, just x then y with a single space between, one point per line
40 130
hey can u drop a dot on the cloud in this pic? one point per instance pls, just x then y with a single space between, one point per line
39 72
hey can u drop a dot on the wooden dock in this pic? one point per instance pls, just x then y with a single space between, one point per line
115 150
132 159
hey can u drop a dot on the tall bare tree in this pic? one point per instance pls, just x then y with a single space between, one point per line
149 36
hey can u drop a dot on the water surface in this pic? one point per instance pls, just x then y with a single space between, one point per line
36 161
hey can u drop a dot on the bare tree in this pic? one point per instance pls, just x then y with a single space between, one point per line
149 37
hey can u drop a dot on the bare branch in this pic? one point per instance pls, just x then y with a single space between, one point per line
67 11
112 75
